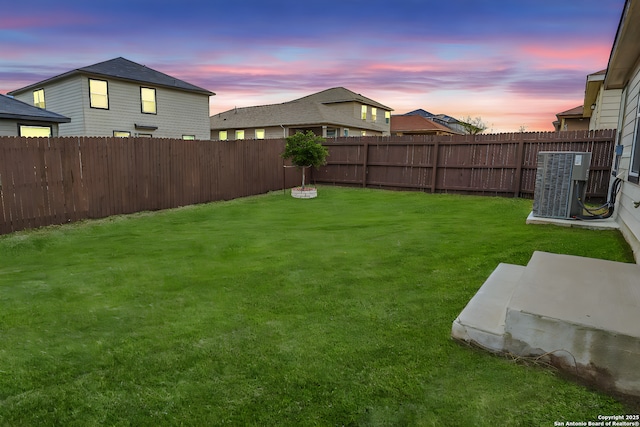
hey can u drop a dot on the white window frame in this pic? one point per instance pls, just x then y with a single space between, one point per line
387 117
345 131
239 134
374 114
189 137
121 133
223 135
363 112
259 134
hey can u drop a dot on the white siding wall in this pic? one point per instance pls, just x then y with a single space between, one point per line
627 215
605 116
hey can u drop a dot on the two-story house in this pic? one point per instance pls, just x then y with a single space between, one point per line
20 119
122 98
330 113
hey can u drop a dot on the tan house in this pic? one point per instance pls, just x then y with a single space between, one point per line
20 119
418 125
573 119
601 106
623 73
122 98
330 113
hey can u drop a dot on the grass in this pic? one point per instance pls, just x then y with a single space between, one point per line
274 311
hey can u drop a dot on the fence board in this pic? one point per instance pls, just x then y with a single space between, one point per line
47 181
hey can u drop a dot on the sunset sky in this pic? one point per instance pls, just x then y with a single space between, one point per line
512 62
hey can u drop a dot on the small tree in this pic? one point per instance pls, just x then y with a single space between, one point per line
305 150
473 126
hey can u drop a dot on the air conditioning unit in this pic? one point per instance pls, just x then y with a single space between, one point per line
561 184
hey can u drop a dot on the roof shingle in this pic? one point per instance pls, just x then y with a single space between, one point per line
11 108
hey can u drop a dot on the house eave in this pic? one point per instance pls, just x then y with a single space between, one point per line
626 49
35 118
594 83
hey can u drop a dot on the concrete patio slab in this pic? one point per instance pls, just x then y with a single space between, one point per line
591 224
582 314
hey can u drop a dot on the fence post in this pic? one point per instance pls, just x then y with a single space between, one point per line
364 164
519 160
434 169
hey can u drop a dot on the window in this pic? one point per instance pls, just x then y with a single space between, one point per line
240 134
374 114
38 98
35 131
363 133
331 133
222 135
121 134
98 94
346 132
364 112
189 137
387 117
148 100
144 135
259 133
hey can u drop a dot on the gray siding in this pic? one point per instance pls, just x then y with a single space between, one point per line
63 97
9 127
178 113
628 215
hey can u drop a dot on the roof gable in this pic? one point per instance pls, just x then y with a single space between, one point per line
340 94
124 69
575 112
416 123
419 112
11 108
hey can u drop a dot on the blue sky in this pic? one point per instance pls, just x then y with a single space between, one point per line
513 63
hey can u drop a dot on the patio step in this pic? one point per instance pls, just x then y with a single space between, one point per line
482 321
581 314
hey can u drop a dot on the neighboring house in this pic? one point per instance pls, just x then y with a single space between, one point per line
572 119
330 113
418 125
20 119
601 106
122 98
452 123
623 73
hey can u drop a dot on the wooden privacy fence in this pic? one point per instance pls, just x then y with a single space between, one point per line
46 181
499 164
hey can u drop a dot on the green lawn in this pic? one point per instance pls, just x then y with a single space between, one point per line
270 310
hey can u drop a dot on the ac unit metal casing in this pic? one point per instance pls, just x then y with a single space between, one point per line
560 181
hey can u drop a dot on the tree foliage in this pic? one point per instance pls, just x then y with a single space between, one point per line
305 150
473 126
